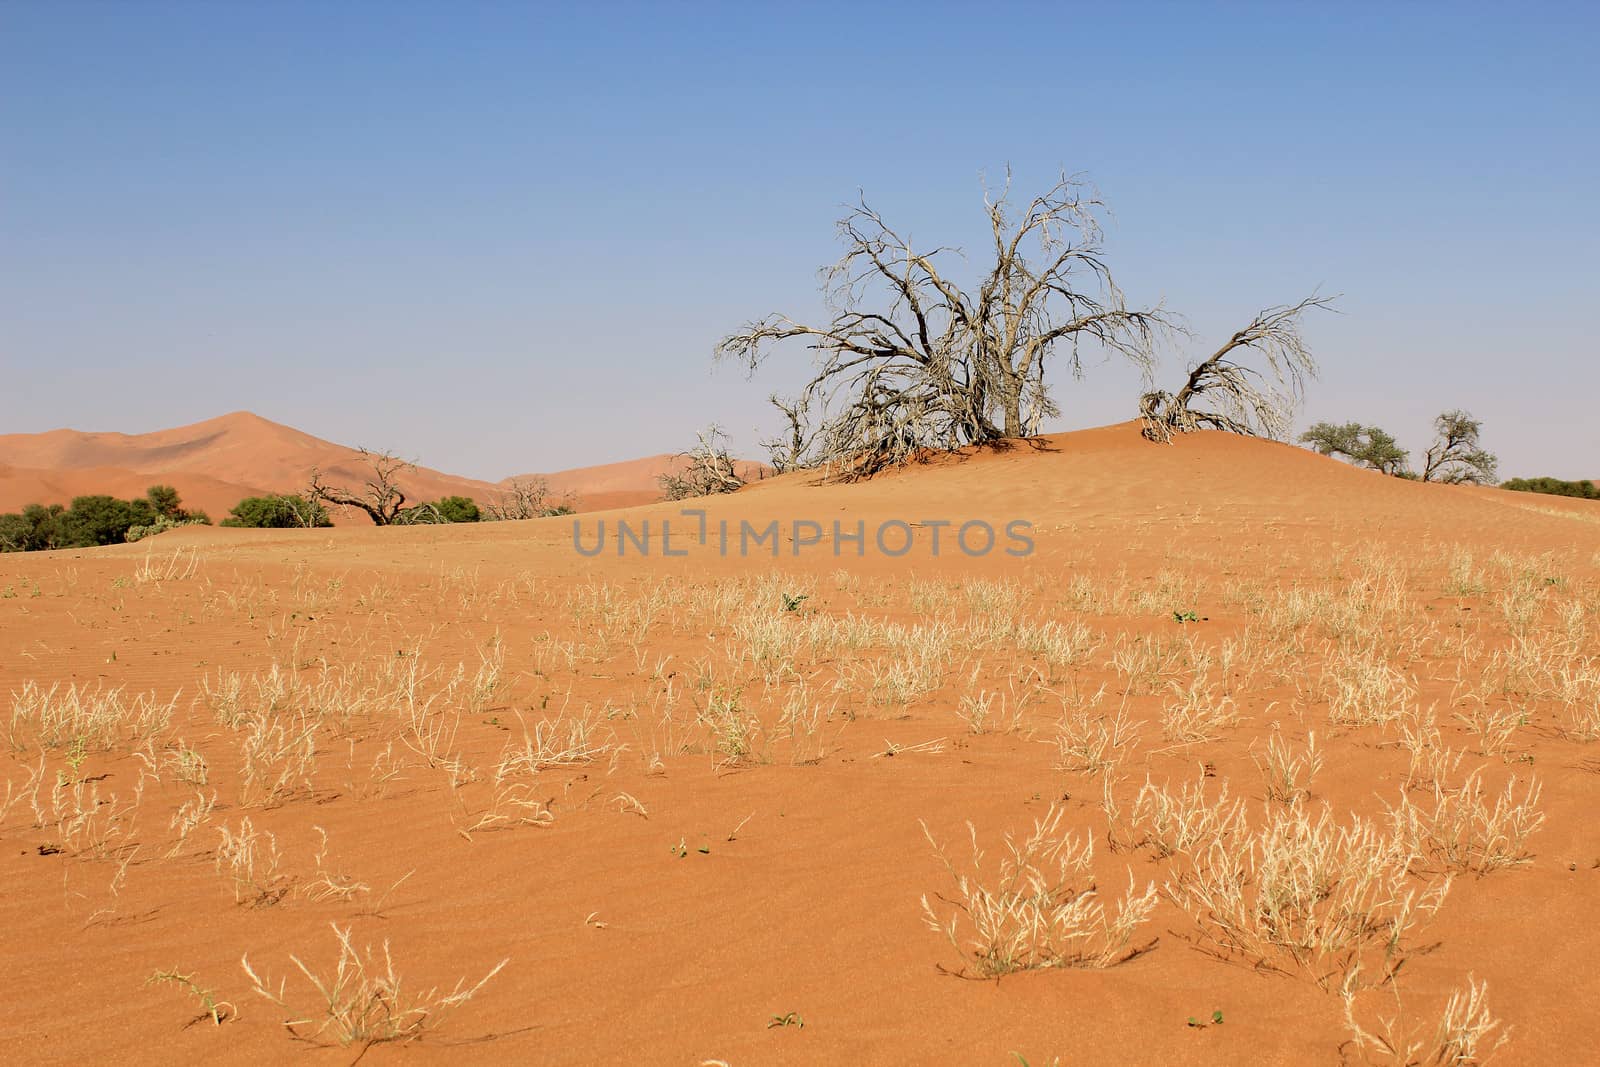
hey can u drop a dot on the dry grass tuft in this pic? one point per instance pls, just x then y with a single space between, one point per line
1037 908
363 1002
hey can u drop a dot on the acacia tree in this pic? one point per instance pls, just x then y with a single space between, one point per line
912 360
1455 457
1365 446
1222 392
380 496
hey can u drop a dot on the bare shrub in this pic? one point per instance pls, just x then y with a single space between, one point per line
709 469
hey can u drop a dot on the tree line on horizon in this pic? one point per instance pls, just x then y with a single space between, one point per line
99 519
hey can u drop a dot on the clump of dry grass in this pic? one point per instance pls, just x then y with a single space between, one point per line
1038 907
277 756
736 734
557 741
1186 820
987 712
1302 891
1199 712
1431 761
190 816
1143 660
1494 729
328 883
1462 1036
363 1001
252 862
97 719
1462 831
1364 690
1092 741
213 1008
1288 774
80 820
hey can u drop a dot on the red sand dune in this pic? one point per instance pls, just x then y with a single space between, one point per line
216 463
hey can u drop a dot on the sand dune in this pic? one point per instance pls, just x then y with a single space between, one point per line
691 819
215 463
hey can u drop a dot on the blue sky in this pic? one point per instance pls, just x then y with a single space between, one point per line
504 237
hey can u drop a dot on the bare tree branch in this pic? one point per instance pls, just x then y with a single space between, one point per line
380 496
1232 395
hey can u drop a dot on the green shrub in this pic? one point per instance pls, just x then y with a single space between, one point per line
34 529
1584 490
447 509
162 525
104 520
279 511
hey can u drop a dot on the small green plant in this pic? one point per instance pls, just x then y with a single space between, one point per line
77 752
1181 617
792 601
789 1018
1197 1024
218 1011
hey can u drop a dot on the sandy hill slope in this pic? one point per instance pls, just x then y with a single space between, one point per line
213 464
1104 491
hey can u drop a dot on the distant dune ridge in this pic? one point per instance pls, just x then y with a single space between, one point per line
216 463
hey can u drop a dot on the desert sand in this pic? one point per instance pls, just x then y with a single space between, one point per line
695 824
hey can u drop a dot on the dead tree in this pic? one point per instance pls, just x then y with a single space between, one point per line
1455 457
380 496
912 361
709 470
528 498
1223 392
786 453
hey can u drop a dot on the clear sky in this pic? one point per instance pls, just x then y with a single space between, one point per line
504 237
